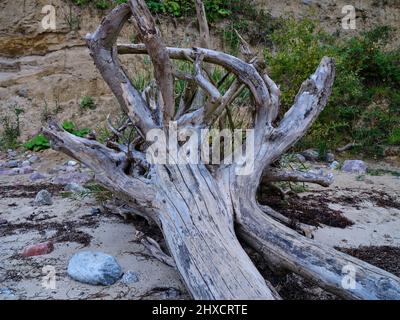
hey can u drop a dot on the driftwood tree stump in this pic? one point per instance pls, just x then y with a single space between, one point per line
203 208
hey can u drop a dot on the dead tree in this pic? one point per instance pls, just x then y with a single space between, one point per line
203 209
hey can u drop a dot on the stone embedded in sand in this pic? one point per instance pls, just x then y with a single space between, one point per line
70 177
36 176
3 221
94 267
71 163
7 294
310 154
355 166
329 157
38 249
25 163
12 164
334 165
129 278
75 188
43 198
33 158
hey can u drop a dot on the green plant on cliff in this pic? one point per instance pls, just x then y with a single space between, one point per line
11 130
40 142
37 143
103 4
87 102
364 105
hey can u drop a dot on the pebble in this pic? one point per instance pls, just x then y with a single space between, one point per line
33 159
37 176
310 154
70 177
355 166
334 165
129 278
43 198
38 249
75 188
72 163
94 267
25 163
7 294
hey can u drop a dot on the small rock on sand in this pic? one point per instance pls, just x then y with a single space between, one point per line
355 166
310 154
70 177
38 249
94 268
43 198
129 277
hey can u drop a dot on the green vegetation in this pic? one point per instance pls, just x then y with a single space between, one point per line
37 143
72 128
40 142
11 130
365 102
87 102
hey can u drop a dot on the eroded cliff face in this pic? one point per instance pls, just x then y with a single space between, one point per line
41 67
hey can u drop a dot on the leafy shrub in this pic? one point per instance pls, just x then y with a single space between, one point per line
71 128
102 4
11 130
87 102
364 105
37 143
40 142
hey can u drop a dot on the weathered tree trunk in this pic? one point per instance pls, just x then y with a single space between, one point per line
200 208
198 228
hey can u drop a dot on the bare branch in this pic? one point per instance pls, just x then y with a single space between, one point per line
154 249
101 45
246 73
303 228
151 37
308 104
108 166
212 92
274 174
205 40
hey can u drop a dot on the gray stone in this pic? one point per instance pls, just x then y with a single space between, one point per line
25 163
310 154
37 176
33 159
129 278
355 166
12 164
94 267
23 170
334 165
300 157
70 177
11 153
7 294
330 157
71 163
43 198
23 92
95 211
75 188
